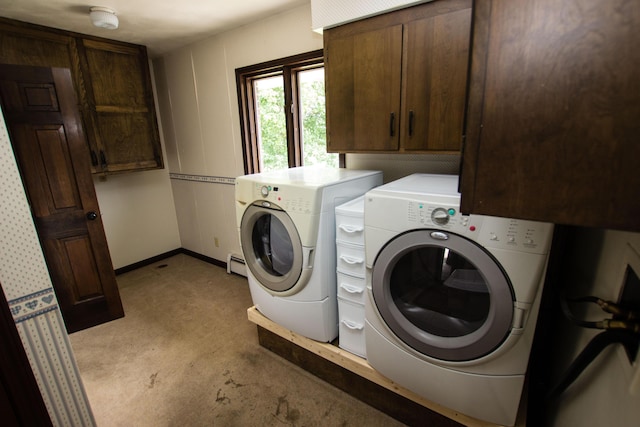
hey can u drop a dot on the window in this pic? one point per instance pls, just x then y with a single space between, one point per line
282 113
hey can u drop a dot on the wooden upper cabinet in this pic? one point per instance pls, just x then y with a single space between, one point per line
121 104
553 120
113 84
397 82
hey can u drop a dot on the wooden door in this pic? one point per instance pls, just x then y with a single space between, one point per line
41 113
362 78
436 58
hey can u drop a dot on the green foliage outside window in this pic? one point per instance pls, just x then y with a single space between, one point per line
272 125
314 125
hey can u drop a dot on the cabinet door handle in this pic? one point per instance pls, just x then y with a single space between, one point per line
411 123
94 158
103 159
392 124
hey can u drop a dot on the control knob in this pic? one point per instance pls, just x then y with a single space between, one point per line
440 216
264 191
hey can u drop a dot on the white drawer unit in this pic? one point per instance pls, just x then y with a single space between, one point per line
351 271
351 259
351 288
351 328
350 222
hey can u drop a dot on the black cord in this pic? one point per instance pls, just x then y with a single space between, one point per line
616 331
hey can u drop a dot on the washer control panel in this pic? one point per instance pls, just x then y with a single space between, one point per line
289 198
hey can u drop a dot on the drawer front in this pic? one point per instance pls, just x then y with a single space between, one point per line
351 260
351 328
351 288
350 229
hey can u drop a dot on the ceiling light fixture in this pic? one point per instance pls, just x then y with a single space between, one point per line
103 17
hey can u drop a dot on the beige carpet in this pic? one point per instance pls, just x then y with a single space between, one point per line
186 355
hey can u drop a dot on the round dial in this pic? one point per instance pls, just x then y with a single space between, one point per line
440 216
264 191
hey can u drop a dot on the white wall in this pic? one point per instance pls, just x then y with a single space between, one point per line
138 212
199 108
601 395
198 102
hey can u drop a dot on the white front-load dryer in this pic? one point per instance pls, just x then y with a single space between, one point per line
286 224
452 300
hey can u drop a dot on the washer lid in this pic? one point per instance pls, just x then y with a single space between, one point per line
443 295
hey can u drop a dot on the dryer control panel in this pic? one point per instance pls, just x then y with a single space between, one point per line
496 232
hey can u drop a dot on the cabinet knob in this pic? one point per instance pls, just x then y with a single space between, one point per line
411 123
103 159
91 216
392 124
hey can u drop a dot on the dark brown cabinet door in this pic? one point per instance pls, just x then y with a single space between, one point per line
397 82
435 81
121 107
42 117
554 112
113 84
362 76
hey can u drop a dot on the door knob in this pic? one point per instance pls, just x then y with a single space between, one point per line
92 215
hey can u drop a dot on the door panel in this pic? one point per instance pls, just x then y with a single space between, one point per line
42 117
272 249
435 82
446 298
364 74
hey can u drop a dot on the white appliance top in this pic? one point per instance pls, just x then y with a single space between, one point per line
422 184
309 176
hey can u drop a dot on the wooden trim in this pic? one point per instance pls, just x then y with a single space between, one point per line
245 76
358 378
27 26
166 255
398 17
394 405
475 92
276 64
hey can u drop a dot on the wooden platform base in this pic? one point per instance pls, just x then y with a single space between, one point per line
355 376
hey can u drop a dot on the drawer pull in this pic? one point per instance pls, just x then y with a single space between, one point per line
350 260
351 289
350 229
351 325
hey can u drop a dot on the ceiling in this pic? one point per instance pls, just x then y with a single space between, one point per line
160 25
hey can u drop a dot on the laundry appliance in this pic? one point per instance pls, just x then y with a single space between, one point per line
452 300
286 222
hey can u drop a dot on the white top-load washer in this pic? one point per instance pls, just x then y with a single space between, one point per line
286 222
452 300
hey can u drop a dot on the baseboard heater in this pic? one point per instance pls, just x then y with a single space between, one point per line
235 264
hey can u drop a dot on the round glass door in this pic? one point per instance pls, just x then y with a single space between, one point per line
271 246
443 295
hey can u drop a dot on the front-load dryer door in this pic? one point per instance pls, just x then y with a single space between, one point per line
443 295
271 247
